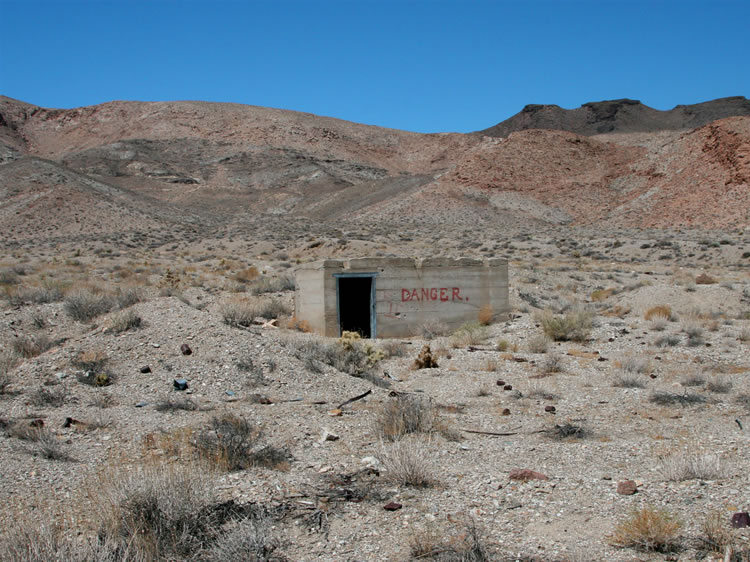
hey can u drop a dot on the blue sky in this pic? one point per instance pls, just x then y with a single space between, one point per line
419 65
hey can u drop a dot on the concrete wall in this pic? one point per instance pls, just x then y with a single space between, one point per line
409 292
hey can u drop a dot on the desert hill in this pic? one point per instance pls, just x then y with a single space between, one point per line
619 116
136 168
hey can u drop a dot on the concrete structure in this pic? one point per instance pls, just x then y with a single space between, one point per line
394 297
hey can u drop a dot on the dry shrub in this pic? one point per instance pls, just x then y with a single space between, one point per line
715 535
83 305
247 275
664 398
406 463
158 512
661 311
124 321
648 529
29 347
434 329
92 360
238 313
53 398
636 365
231 442
251 539
572 326
719 385
466 546
627 380
404 415
469 334
538 343
706 466
486 315
553 363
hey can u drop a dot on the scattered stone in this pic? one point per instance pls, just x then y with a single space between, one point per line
371 462
180 384
505 412
259 399
335 412
526 474
229 393
500 382
741 519
393 506
626 488
156 345
550 409
141 404
145 369
508 387
327 435
602 359
185 349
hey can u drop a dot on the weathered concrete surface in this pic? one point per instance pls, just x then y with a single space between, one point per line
408 292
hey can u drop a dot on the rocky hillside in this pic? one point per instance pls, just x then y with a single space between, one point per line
131 168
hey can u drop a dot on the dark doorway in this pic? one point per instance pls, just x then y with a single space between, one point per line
355 305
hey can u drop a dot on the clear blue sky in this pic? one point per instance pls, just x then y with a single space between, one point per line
419 65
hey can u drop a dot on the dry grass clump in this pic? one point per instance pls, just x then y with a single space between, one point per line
659 313
54 397
636 365
124 321
434 329
664 398
649 529
719 385
667 341
469 334
743 399
407 414
242 313
538 343
275 285
404 415
627 380
91 360
349 354
717 537
251 539
695 334
175 404
28 347
572 326
567 431
486 315
43 441
553 363
238 313
706 466
467 546
83 305
231 442
406 463
538 390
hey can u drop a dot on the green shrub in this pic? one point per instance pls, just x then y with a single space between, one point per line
572 326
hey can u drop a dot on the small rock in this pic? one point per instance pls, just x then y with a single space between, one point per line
626 488
70 421
602 359
229 393
508 387
526 474
145 369
259 399
393 506
185 349
740 520
180 384
156 345
500 382
371 462
327 435
550 409
505 412
335 412
141 404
